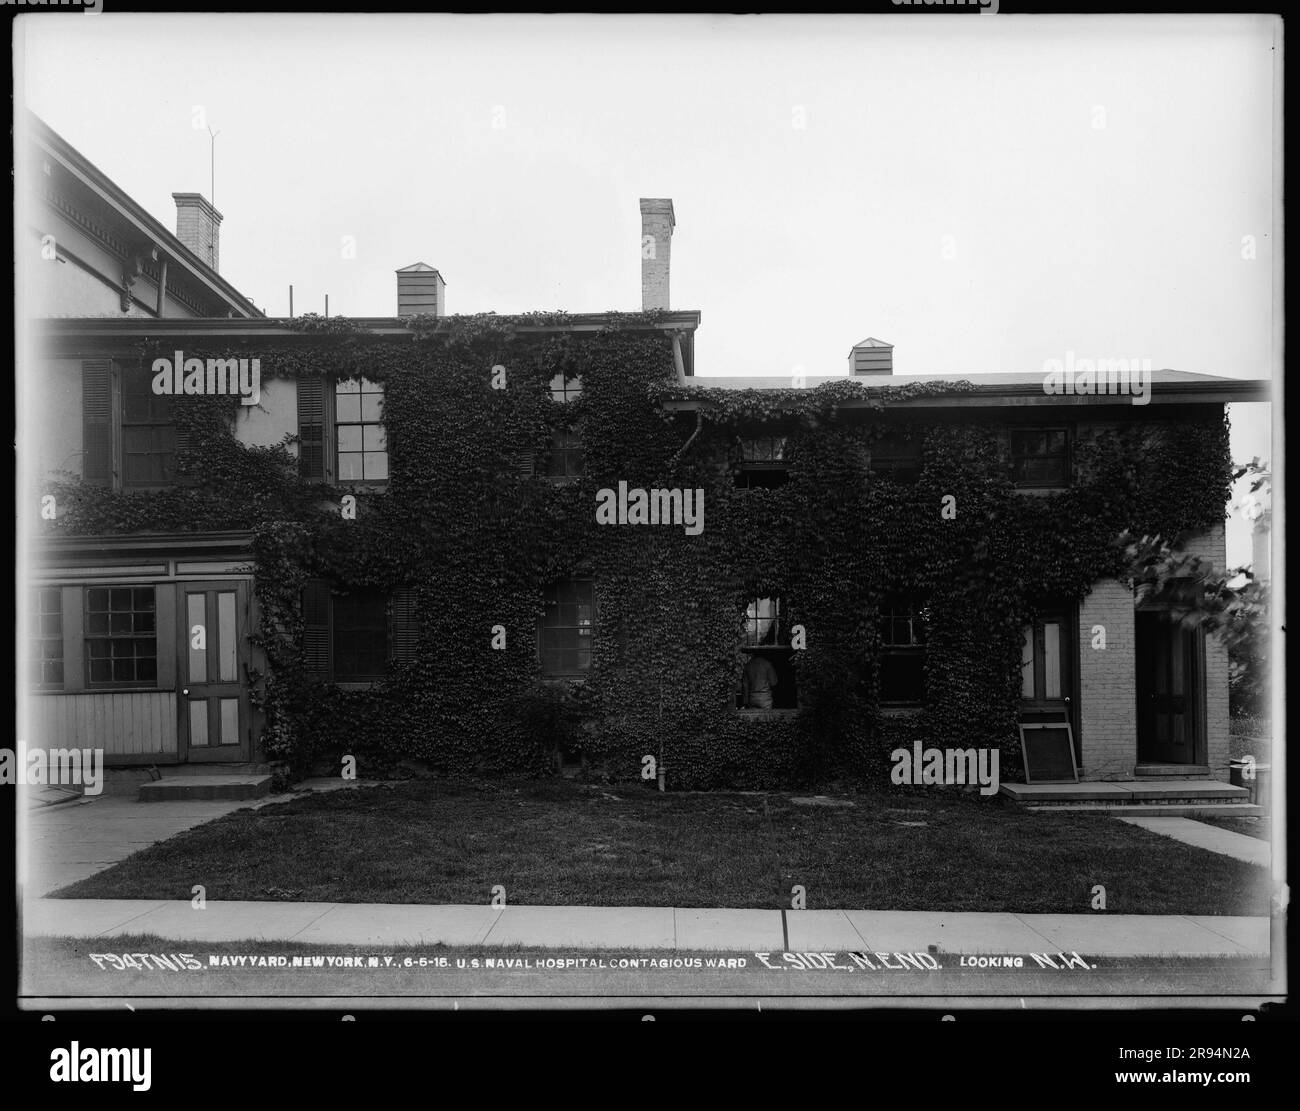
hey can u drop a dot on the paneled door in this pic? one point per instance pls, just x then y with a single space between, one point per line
211 676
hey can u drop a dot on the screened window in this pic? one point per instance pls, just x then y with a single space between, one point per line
45 648
1040 457
568 628
148 432
360 620
362 440
121 636
902 628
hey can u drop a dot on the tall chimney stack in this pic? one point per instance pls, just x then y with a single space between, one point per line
420 289
657 222
198 226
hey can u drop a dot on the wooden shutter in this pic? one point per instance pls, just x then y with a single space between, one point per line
403 629
97 422
316 626
312 430
524 462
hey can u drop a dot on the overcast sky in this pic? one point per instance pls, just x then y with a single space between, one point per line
985 193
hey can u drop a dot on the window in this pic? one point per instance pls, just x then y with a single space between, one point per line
353 635
762 463
565 389
341 432
896 455
148 432
360 635
568 628
128 433
902 628
121 636
565 459
45 647
1040 457
767 681
362 441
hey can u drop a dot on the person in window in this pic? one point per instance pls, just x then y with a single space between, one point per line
758 682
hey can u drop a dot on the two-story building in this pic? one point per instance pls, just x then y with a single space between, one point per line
395 551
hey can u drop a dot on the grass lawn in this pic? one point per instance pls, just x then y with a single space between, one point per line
555 842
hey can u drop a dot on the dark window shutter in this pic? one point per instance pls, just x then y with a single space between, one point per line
311 427
524 462
97 422
316 626
403 630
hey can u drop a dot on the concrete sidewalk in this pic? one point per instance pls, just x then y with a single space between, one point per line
1239 846
370 924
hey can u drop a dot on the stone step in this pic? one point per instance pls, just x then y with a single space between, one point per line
236 787
1178 792
1172 771
1136 810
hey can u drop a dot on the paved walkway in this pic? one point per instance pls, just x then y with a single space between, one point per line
375 924
1239 846
74 840
70 842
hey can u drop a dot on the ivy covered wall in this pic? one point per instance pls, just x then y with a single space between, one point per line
476 541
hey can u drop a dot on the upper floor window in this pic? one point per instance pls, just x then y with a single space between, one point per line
45 630
762 463
128 432
565 389
341 432
1040 457
121 636
897 456
568 628
362 441
902 627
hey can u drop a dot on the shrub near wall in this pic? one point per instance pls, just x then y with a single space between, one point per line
476 541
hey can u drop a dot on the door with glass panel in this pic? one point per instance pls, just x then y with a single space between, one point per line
213 643
1047 670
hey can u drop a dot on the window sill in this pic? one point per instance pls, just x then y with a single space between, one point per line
1040 491
908 711
748 713
356 684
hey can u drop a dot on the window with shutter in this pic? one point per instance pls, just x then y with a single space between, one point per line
97 422
313 428
403 627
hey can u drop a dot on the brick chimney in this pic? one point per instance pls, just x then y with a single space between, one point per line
871 357
657 222
198 226
420 289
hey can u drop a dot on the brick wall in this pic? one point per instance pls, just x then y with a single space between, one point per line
1107 679
1212 545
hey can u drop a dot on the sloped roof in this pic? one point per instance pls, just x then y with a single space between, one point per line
92 182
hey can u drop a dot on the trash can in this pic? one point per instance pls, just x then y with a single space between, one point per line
1257 783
